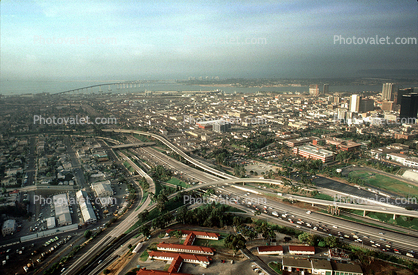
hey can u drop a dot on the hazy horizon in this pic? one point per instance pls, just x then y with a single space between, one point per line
106 40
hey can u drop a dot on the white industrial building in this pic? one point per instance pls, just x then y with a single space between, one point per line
85 207
50 222
102 188
62 211
9 227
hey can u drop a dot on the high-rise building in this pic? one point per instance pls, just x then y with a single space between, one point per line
402 92
221 126
388 91
366 105
355 103
409 106
326 89
336 99
314 89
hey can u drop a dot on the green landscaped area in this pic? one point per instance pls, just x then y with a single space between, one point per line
212 243
386 183
276 267
144 256
403 221
178 182
142 200
128 166
324 197
154 213
367 223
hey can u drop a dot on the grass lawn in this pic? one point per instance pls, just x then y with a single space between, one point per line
403 221
276 267
367 223
324 197
210 243
386 183
128 166
144 256
176 181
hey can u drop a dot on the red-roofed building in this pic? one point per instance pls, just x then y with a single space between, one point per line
145 271
268 250
175 264
185 248
188 258
190 239
301 250
199 234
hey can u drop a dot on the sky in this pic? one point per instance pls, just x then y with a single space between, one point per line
174 40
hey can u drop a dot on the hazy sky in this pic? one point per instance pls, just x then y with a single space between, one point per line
162 39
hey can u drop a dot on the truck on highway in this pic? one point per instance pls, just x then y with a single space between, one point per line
409 255
274 213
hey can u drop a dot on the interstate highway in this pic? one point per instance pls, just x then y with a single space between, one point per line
399 240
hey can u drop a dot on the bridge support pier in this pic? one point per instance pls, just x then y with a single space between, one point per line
313 204
364 213
394 216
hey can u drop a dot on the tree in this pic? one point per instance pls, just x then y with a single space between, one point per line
87 234
332 241
145 230
161 201
235 242
106 271
143 215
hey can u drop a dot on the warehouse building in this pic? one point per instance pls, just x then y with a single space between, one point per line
102 188
85 206
9 227
62 211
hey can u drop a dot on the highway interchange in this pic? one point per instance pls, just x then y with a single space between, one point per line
208 178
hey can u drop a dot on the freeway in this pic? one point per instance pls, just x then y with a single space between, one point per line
387 208
334 224
117 231
173 164
405 241
176 150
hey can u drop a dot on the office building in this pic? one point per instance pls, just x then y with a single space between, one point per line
326 89
366 105
314 90
221 126
409 106
311 152
388 91
355 103
402 92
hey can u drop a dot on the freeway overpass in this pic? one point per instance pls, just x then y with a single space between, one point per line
379 208
132 145
382 208
175 149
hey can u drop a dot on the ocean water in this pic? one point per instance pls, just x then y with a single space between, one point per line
13 87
